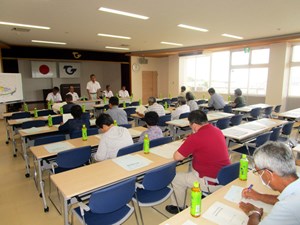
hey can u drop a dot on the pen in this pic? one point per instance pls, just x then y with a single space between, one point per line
250 187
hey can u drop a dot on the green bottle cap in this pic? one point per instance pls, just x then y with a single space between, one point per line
196 184
146 135
244 156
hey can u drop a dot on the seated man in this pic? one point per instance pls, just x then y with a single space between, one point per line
75 123
54 96
208 147
115 112
67 107
107 92
155 107
216 101
75 96
113 138
123 93
154 131
275 165
182 108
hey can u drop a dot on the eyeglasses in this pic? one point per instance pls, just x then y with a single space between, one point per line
256 172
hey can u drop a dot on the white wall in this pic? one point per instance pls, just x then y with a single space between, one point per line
106 72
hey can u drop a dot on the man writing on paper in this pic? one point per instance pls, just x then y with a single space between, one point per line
93 87
208 147
275 165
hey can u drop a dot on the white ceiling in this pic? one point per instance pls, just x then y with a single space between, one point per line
77 22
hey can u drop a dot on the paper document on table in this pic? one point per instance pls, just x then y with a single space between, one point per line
58 147
141 109
235 195
252 126
134 133
234 132
223 215
35 130
180 122
266 122
132 162
167 150
66 117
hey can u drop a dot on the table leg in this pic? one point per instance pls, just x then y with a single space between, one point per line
13 142
42 194
7 132
65 211
25 155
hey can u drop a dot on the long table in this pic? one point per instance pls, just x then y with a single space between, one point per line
43 152
291 114
184 217
88 179
248 108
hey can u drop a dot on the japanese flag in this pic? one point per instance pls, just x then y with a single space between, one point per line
43 69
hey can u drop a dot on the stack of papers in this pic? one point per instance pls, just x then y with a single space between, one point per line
55 147
132 162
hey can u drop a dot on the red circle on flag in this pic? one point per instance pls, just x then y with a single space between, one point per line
44 69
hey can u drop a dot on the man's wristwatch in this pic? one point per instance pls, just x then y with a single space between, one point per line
254 212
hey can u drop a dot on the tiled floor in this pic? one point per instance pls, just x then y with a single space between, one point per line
20 203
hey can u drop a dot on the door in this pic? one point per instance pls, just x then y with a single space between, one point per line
149 85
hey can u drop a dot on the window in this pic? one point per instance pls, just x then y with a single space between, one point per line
294 81
227 71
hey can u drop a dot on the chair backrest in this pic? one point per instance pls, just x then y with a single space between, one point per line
205 110
202 101
130 149
268 111
174 100
163 119
167 100
33 123
255 112
85 116
113 197
45 112
262 138
78 133
227 109
128 125
287 128
228 173
275 133
184 115
73 158
236 119
129 111
57 119
277 108
160 141
223 123
20 115
136 103
159 178
126 103
49 139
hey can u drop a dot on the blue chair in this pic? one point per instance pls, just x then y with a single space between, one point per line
49 139
154 188
268 112
254 114
286 132
225 175
128 125
136 103
131 149
250 147
275 133
227 109
20 115
223 123
205 110
162 122
108 205
276 111
129 111
33 123
126 103
202 101
184 115
78 133
174 100
57 120
160 141
236 120
167 100
46 112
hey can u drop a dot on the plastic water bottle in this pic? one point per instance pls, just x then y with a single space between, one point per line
104 100
49 105
35 113
140 102
196 196
115 123
131 97
229 98
166 105
124 104
25 107
243 168
84 133
169 95
50 122
146 144
61 110
83 108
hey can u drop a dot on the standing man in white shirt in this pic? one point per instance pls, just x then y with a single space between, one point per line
54 96
93 87
75 96
182 108
107 92
123 93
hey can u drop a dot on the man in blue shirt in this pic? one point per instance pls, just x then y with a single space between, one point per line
216 101
116 113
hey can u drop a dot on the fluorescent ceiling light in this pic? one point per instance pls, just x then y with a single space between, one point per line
119 48
113 36
232 36
24 25
192 28
123 13
170 43
49 42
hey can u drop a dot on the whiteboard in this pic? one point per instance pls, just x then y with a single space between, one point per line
11 89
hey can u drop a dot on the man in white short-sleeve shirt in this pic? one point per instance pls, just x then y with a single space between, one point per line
75 96
123 93
54 96
107 92
93 87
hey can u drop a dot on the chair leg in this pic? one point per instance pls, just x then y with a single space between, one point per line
135 214
176 198
140 211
